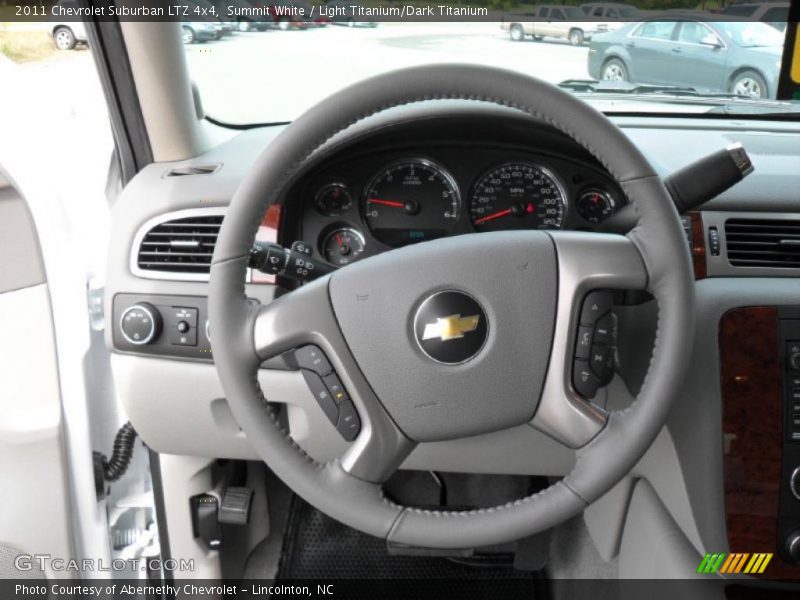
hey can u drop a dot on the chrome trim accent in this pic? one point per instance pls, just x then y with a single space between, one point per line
792 479
740 157
416 320
544 169
426 162
146 340
144 229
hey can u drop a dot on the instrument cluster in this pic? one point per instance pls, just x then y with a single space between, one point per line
375 202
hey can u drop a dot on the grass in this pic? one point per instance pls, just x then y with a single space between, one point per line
26 46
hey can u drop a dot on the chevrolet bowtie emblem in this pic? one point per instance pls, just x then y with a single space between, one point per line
451 328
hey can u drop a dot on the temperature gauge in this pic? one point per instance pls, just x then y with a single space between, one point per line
595 205
333 200
343 246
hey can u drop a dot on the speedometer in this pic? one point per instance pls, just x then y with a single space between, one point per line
518 196
411 201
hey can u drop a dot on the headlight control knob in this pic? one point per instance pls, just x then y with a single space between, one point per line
140 324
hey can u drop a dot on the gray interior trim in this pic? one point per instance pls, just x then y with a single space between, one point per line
21 263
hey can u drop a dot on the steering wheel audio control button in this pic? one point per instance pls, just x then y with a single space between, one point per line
313 359
322 396
583 347
584 380
595 305
349 424
605 330
599 359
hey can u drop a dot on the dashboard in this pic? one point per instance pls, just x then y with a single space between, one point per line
163 382
383 194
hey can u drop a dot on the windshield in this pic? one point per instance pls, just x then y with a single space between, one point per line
267 69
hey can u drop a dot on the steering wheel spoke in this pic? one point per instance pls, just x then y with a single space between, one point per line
586 262
304 320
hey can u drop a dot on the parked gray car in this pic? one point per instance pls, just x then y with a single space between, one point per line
737 56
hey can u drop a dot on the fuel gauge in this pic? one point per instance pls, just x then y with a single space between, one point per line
595 205
342 246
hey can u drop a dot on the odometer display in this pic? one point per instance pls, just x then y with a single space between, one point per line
411 201
518 196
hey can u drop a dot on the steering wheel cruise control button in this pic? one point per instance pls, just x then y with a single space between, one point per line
584 380
349 424
322 396
336 388
313 359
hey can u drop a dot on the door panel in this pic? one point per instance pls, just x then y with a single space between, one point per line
35 517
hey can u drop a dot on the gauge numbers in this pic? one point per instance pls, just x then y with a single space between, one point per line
518 196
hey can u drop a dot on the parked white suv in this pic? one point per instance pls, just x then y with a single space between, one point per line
68 35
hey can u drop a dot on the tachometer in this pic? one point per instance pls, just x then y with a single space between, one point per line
518 196
411 201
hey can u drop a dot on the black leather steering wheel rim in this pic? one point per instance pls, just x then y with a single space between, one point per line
603 461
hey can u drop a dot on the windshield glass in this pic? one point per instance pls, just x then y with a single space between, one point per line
268 69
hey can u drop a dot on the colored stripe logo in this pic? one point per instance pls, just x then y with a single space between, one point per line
735 562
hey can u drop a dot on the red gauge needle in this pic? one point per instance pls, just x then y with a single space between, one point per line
391 203
339 239
497 215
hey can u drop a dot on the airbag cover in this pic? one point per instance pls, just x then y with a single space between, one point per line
512 276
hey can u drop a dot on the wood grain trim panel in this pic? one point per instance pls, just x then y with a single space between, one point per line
698 245
752 426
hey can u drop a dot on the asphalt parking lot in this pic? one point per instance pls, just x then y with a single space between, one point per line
270 76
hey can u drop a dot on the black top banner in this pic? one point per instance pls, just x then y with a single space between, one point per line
322 11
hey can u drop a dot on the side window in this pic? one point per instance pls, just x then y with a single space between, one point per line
613 14
656 30
692 32
544 12
557 14
598 12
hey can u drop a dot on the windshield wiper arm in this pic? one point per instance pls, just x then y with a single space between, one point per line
637 89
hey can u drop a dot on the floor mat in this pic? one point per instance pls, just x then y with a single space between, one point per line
320 548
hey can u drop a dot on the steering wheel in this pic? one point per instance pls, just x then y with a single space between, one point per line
438 341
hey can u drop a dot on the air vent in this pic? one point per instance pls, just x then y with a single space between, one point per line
763 243
192 170
179 246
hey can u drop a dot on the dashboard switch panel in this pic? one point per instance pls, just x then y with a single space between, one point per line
161 325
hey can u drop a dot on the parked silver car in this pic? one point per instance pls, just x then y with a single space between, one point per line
737 56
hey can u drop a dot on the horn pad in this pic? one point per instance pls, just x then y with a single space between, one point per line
453 335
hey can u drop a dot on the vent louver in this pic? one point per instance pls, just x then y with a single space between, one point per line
763 243
180 245
192 170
